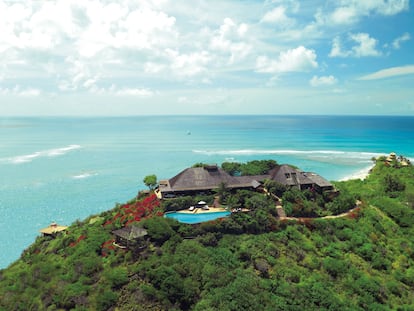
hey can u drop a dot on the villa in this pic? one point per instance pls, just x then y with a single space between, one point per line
205 179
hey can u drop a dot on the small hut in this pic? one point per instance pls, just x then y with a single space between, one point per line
130 237
53 229
392 157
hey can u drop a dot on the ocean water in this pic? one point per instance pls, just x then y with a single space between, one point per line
64 169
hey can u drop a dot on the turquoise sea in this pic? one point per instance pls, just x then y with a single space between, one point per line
64 169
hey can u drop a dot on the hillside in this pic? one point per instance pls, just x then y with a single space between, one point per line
252 261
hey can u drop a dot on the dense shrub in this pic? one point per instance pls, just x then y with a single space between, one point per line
249 261
393 185
116 276
256 167
158 229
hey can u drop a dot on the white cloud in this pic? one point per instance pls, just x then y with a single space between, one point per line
134 92
352 11
80 48
188 65
294 60
278 17
344 15
113 26
44 26
229 29
18 91
93 33
113 90
29 92
79 75
365 46
396 44
390 7
389 72
151 67
323 81
214 98
230 39
337 49
89 83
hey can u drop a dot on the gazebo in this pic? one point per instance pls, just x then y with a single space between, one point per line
131 236
53 229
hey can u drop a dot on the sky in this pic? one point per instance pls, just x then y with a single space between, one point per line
98 57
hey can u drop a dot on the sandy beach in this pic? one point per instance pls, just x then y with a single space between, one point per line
362 174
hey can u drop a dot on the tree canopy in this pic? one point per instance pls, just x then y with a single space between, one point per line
150 181
248 261
255 167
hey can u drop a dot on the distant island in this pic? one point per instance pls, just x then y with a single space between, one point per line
290 240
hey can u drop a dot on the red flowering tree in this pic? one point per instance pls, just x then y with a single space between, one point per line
134 212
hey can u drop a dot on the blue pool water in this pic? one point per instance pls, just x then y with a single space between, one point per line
196 218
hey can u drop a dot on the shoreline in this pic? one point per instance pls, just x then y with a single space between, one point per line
361 174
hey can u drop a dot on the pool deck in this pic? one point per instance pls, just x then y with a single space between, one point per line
203 211
211 209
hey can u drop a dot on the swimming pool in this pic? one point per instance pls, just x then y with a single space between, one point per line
196 218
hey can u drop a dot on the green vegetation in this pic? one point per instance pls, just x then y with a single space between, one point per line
251 168
313 204
150 181
250 261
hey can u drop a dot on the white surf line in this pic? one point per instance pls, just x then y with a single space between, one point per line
38 154
84 175
356 154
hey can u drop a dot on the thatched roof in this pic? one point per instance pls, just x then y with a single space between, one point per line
199 178
319 180
52 229
208 178
130 233
290 176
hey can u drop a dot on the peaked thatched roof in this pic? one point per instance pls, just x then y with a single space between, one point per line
319 180
52 229
290 176
207 178
199 178
130 233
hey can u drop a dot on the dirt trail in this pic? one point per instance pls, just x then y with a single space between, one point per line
345 214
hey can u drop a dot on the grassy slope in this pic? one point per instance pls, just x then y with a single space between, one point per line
359 263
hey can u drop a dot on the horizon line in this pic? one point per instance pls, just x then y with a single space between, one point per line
204 115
